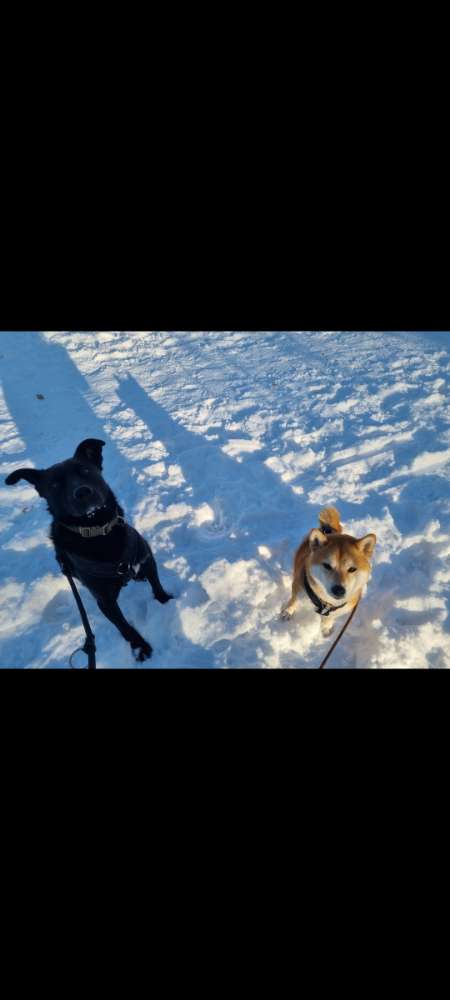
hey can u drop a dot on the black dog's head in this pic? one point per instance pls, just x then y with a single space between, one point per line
75 489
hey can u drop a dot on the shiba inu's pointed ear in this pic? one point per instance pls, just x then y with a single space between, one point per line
317 539
367 544
90 450
33 476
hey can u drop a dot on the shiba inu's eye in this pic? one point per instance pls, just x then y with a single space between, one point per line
326 566
352 569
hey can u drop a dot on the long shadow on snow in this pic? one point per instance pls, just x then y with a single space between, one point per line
252 501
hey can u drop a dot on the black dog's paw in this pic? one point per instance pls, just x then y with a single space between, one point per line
142 650
163 598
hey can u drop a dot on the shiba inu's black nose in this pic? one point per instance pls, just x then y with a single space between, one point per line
82 492
338 591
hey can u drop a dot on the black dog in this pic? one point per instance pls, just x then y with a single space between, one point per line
91 539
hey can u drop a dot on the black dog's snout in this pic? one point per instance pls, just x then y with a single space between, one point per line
82 492
338 591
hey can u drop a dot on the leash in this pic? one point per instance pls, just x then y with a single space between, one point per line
341 633
89 645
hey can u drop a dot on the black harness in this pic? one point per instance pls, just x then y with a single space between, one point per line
321 607
135 553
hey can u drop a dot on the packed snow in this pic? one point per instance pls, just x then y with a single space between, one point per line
222 447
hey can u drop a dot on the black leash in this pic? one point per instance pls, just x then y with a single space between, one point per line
89 645
341 633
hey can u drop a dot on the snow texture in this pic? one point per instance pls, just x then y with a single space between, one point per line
222 447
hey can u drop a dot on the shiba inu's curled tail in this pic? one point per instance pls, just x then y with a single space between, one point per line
329 520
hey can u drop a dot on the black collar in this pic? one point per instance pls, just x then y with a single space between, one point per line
322 609
96 529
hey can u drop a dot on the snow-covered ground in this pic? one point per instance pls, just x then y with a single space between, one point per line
222 447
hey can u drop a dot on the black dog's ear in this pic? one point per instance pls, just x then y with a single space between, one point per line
33 476
90 451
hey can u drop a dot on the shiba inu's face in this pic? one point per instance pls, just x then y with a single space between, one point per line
339 565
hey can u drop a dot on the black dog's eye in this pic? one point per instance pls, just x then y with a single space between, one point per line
86 471
326 566
352 569
55 485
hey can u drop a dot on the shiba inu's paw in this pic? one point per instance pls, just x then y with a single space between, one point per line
286 614
326 628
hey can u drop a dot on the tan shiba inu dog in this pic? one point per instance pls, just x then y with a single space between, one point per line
332 568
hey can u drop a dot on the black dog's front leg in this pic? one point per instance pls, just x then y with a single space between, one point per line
151 574
110 608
